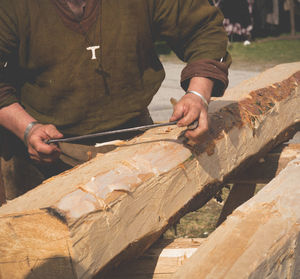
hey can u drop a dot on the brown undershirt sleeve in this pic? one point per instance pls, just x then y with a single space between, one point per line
217 71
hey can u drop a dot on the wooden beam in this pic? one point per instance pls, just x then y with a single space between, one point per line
115 206
158 262
165 257
267 167
259 240
238 194
244 183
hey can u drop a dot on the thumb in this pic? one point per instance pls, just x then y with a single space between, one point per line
53 133
177 112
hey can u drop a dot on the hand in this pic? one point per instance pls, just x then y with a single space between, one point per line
188 109
37 148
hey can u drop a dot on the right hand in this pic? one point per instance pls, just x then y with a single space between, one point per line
37 148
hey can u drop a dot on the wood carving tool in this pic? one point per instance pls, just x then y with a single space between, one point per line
192 126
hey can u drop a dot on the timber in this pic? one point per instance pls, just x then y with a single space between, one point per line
160 261
268 166
115 206
165 256
262 171
259 240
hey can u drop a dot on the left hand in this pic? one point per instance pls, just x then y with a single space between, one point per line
188 109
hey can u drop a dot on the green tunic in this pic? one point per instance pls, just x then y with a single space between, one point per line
46 66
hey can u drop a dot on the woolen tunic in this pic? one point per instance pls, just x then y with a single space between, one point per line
46 57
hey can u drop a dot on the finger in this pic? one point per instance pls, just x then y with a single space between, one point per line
33 155
189 118
49 158
178 112
41 147
52 132
43 158
201 129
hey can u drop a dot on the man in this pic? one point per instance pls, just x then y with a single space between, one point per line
74 67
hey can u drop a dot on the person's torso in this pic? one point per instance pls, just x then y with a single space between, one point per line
87 81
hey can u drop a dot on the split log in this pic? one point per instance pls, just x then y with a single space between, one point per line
244 183
239 194
259 240
160 261
165 257
269 166
116 205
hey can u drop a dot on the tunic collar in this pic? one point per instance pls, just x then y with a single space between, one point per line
80 24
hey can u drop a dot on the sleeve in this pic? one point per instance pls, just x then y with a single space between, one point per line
194 30
8 49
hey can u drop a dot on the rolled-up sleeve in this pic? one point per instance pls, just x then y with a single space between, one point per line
8 48
194 30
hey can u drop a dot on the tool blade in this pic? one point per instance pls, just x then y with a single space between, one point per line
113 132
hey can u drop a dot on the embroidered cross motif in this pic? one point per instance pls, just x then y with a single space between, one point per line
93 49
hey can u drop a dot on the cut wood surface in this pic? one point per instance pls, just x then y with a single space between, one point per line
116 205
259 240
165 256
158 262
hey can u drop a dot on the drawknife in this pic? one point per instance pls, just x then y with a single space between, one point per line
192 126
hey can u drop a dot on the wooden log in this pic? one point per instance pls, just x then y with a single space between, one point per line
116 205
238 194
268 166
165 256
160 261
244 183
259 240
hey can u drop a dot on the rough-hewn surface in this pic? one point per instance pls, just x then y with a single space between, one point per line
118 204
158 262
259 240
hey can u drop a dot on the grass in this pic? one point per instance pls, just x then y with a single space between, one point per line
265 53
202 222
199 223
258 56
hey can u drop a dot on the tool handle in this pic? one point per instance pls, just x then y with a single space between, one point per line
193 125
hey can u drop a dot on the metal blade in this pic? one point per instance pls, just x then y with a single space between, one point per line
113 132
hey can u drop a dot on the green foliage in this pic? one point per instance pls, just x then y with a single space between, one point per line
265 52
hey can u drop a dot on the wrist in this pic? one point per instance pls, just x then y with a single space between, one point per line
200 95
202 85
28 130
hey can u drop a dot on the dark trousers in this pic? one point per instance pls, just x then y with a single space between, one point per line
19 174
